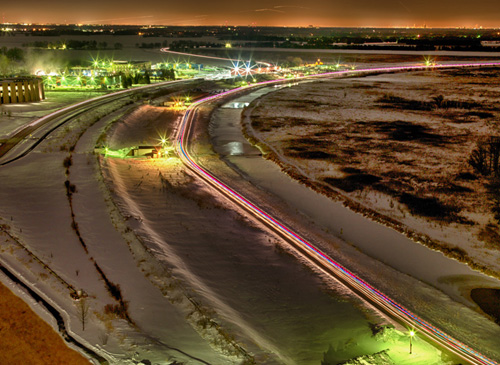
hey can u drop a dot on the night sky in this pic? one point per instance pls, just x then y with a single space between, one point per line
329 13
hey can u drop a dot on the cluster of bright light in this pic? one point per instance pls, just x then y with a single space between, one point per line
101 62
45 73
429 61
235 62
242 68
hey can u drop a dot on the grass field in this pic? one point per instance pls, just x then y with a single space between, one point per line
26 339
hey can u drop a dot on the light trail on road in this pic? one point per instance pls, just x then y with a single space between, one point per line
368 292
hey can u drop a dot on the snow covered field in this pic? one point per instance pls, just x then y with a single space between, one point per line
36 212
345 233
171 273
254 289
408 162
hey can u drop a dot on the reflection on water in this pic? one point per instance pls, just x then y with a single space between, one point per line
234 148
236 105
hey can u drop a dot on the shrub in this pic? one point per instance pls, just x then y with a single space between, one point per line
428 207
485 158
117 310
67 162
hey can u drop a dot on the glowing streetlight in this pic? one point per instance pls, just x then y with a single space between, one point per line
428 61
412 333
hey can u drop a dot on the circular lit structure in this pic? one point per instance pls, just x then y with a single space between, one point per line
21 90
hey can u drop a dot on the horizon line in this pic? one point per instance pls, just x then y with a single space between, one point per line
255 26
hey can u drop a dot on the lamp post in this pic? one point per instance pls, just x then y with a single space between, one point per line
412 333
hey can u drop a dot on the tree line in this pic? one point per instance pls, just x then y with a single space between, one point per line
73 44
10 59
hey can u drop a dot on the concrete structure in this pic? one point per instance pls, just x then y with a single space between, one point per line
21 90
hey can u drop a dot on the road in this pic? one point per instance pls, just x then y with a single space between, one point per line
308 250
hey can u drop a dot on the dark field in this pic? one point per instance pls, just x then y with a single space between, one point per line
401 144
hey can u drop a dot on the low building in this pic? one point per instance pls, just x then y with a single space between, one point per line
21 90
128 66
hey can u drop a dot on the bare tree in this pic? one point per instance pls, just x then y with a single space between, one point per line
82 310
485 158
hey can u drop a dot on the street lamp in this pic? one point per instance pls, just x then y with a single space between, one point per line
412 333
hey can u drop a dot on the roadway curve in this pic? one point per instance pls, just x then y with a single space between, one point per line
308 250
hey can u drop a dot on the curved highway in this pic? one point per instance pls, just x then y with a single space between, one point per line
308 250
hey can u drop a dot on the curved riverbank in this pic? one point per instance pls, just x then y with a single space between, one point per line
287 150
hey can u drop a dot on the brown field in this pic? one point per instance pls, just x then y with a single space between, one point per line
26 339
420 145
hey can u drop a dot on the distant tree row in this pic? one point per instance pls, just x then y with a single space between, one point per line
72 44
186 45
152 45
13 54
11 59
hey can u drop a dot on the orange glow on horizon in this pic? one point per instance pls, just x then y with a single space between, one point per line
320 24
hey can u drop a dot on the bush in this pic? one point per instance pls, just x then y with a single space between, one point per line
353 182
67 162
117 310
428 207
485 158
